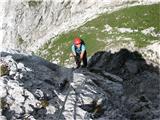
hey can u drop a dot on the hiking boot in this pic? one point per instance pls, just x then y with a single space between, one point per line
83 66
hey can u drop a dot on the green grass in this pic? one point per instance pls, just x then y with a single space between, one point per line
63 43
136 18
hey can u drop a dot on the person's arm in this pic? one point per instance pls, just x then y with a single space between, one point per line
73 51
82 53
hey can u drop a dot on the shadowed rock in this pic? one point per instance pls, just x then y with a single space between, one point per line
117 86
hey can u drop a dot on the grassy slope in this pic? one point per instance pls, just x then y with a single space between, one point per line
136 18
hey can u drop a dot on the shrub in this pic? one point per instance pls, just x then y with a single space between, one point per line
3 70
33 3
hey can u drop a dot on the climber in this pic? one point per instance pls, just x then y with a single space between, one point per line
79 52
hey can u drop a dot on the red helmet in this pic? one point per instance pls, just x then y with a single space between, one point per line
77 41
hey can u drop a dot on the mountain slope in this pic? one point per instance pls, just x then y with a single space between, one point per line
28 24
117 86
133 27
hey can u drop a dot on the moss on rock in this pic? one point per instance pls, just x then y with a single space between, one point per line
3 70
33 3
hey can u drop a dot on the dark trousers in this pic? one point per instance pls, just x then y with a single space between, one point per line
78 61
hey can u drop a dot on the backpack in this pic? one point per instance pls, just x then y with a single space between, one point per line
82 42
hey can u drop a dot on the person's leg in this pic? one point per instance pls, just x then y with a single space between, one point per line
78 61
85 60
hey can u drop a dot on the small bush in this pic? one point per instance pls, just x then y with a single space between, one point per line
3 103
33 3
3 70
44 103
20 40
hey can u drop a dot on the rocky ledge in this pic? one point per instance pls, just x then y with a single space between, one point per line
119 86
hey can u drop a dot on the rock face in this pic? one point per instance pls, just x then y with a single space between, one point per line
140 82
29 24
119 86
28 90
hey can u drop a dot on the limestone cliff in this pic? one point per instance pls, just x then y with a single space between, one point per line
28 24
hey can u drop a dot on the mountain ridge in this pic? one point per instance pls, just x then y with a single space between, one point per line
120 85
